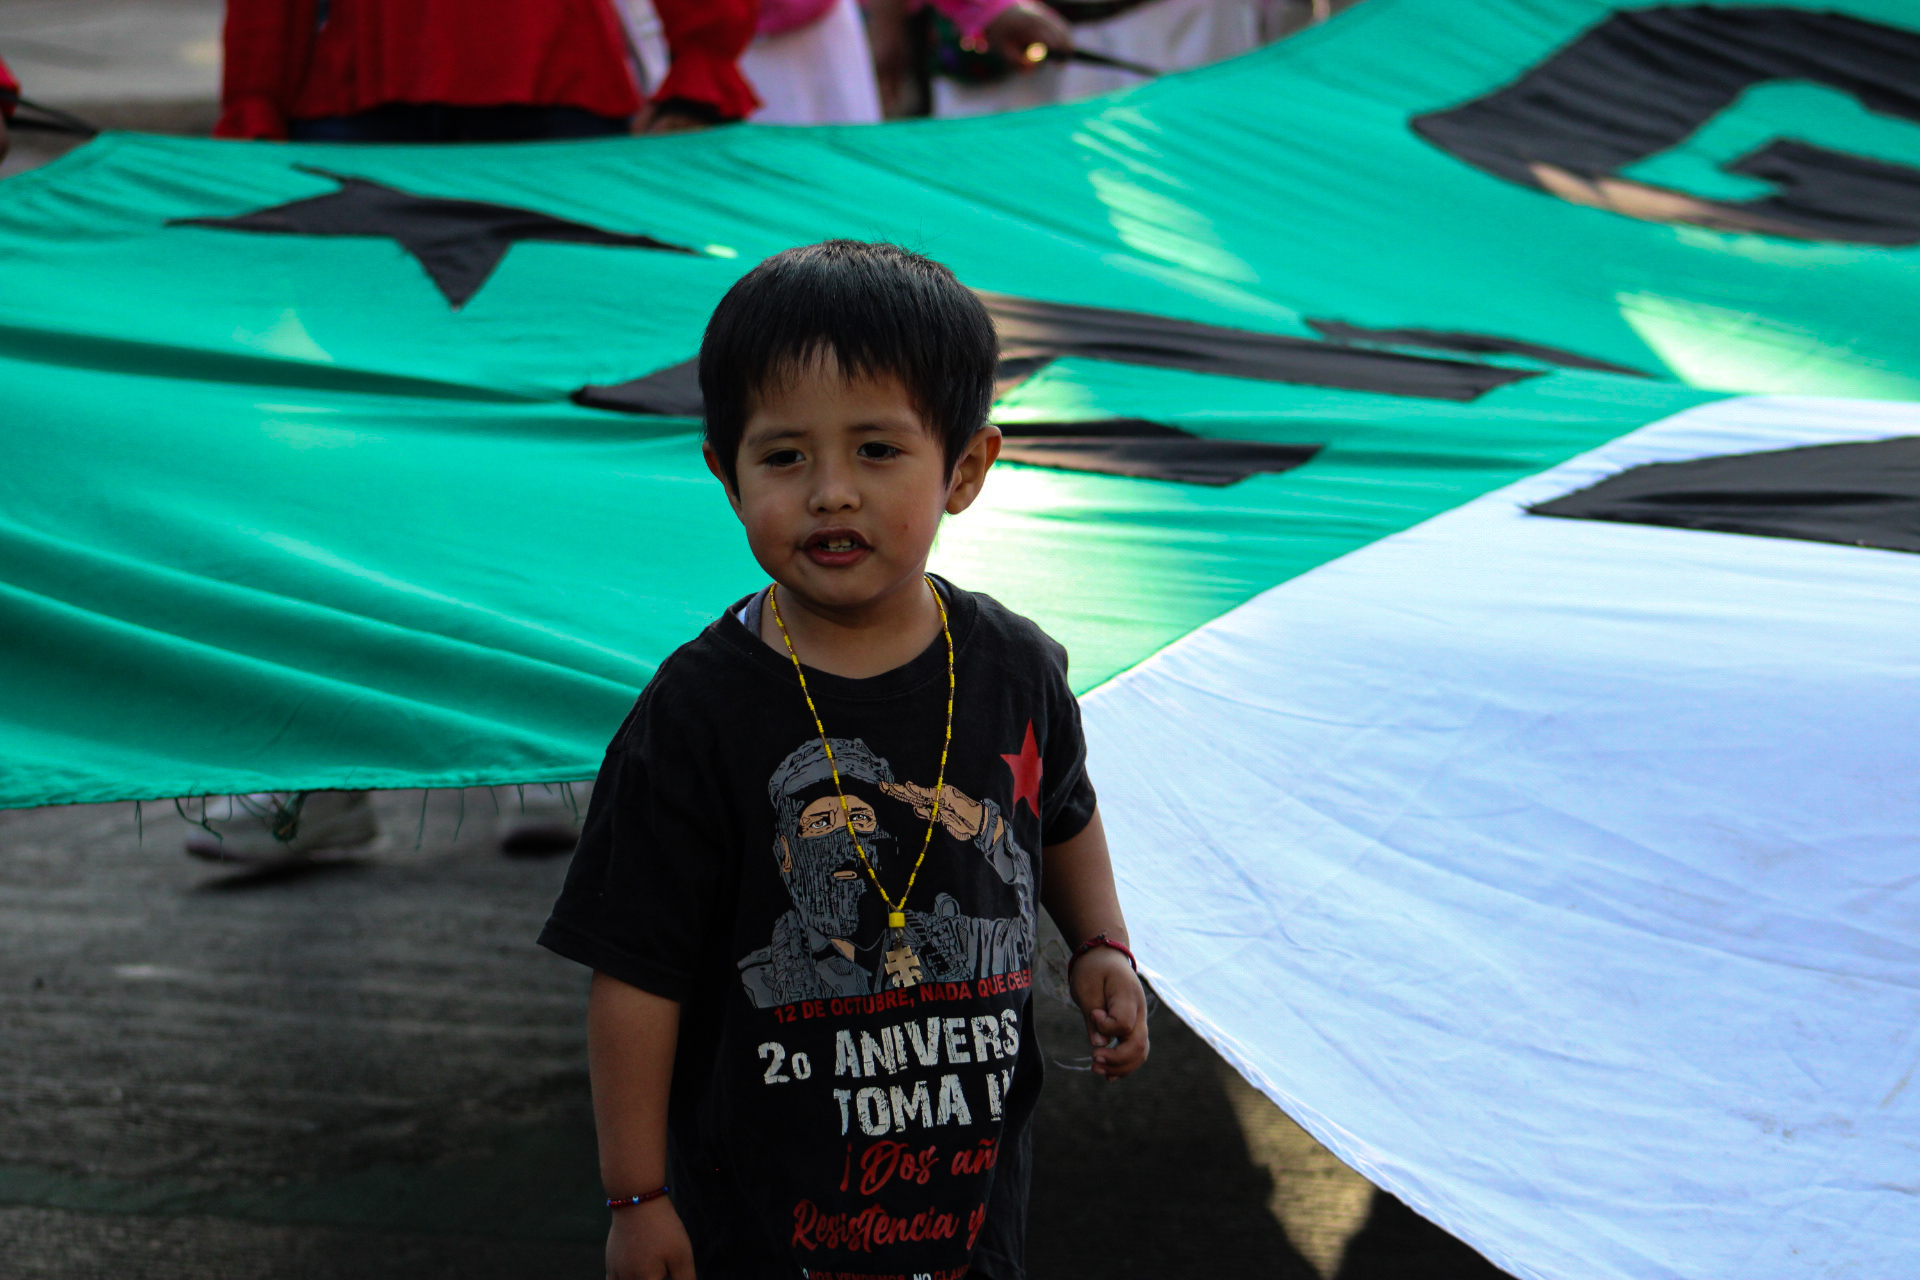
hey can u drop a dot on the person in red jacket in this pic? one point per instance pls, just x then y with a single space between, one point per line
470 70
9 99
450 71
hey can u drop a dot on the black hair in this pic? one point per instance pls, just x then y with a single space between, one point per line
878 308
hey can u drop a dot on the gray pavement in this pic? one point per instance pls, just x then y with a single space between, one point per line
75 52
371 1071
152 65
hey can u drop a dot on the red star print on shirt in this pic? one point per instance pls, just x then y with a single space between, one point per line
1026 773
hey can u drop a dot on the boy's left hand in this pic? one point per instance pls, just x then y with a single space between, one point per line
1115 1006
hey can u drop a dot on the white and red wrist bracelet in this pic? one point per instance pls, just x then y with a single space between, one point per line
1102 940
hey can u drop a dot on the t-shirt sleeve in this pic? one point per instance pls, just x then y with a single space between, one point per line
1067 799
640 897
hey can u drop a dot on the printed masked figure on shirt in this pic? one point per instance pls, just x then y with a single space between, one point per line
817 949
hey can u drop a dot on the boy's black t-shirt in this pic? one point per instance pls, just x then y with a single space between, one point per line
823 1119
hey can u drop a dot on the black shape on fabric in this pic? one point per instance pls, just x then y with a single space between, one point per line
1096 429
1143 450
1033 334
1031 330
1011 373
1644 80
672 392
459 242
1471 343
1863 495
1830 189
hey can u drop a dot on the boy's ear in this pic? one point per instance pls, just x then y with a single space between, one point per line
970 473
720 474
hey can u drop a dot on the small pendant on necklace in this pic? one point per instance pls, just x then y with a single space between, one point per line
903 967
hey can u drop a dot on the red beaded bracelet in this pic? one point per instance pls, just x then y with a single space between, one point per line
623 1202
1102 940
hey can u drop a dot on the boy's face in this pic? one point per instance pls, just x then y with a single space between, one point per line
841 486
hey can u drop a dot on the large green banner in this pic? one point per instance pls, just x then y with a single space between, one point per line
303 482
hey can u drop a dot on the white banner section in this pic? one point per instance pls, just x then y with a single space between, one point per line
1561 876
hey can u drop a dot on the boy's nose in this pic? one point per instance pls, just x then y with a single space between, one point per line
834 489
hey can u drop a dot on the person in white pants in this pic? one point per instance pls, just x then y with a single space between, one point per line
811 64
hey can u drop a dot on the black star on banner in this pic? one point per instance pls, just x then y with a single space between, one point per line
1034 333
1860 494
459 242
1146 451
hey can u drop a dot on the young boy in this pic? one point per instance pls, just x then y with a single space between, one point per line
809 881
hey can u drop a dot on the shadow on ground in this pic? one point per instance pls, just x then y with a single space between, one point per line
1186 1171
372 1072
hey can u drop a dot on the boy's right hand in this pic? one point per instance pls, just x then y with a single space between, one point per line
648 1242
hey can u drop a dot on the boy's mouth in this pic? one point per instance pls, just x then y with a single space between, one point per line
837 548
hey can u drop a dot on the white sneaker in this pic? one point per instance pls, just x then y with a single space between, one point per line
276 829
542 818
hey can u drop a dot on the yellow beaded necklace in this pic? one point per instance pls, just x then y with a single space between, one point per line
903 966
